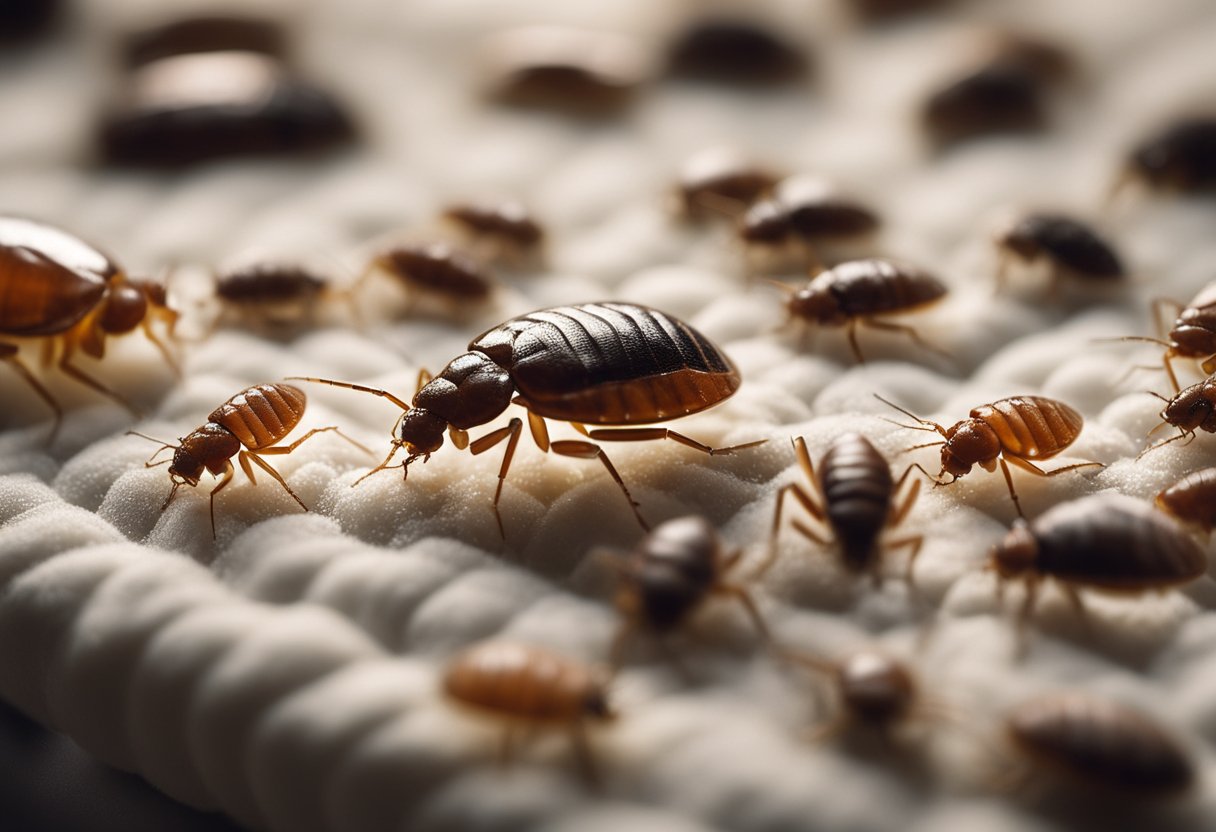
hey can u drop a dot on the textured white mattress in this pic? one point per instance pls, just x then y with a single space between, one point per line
286 672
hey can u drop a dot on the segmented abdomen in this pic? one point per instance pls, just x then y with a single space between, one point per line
857 486
1192 499
520 681
868 287
1032 427
1194 332
261 415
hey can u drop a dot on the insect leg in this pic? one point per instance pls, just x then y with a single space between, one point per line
161 346
375 391
851 331
1027 465
913 545
812 502
647 434
749 605
540 433
583 757
1012 491
225 478
75 373
8 352
484 443
396 446
1024 615
286 449
588 450
901 512
243 456
910 332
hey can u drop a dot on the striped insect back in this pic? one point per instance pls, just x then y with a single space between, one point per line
261 415
1033 427
857 487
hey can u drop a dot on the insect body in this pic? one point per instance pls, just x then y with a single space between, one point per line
999 97
735 51
275 294
856 292
809 208
854 494
1181 157
720 181
1192 499
1070 248
249 426
437 270
1192 334
675 569
872 689
507 225
1018 430
1100 743
591 364
530 687
1193 409
54 285
1106 542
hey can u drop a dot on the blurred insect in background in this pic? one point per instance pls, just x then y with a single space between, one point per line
1069 248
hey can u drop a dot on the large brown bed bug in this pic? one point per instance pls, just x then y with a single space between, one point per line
673 571
1020 430
57 287
1104 542
1070 248
610 364
1192 499
1098 743
249 425
854 494
529 687
1181 157
858 292
1192 409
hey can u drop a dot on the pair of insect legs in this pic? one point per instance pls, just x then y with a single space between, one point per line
1026 610
516 733
540 435
813 500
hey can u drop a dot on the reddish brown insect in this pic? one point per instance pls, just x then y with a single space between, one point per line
507 226
809 209
1192 499
529 687
1193 409
854 494
257 418
1100 743
1070 248
1018 430
1105 542
1192 334
857 292
57 287
735 51
721 182
1181 157
674 570
595 363
272 294
434 270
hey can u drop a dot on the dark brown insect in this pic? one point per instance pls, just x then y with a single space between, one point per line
274 294
529 687
1192 499
807 207
506 225
1181 157
257 418
205 33
591 364
1070 248
721 182
872 689
187 109
55 286
854 494
856 292
1191 410
575 71
672 572
1192 334
1019 430
1100 743
1105 542
434 269
735 52
999 97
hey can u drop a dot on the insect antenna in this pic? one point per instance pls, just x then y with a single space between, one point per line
1158 396
785 287
375 391
164 446
1141 338
924 424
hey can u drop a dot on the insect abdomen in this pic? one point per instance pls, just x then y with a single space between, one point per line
520 681
1192 499
1031 426
261 415
867 287
857 487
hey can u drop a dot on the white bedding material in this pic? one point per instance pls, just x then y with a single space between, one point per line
286 672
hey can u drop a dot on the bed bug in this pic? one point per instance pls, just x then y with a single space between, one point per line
435 270
674 570
1191 410
576 71
1192 334
854 494
999 97
1070 248
249 426
735 51
1192 499
856 292
1100 743
276 294
613 364
1181 157
506 225
529 687
1020 430
1104 542
54 285
186 109
721 182
809 208
205 33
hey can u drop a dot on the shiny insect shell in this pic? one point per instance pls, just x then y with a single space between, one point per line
271 293
808 208
999 97
530 686
591 364
1192 334
856 292
721 182
854 494
54 285
1193 409
1070 248
1106 542
1101 744
436 269
1181 157
1192 499
676 568
1018 430
249 426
